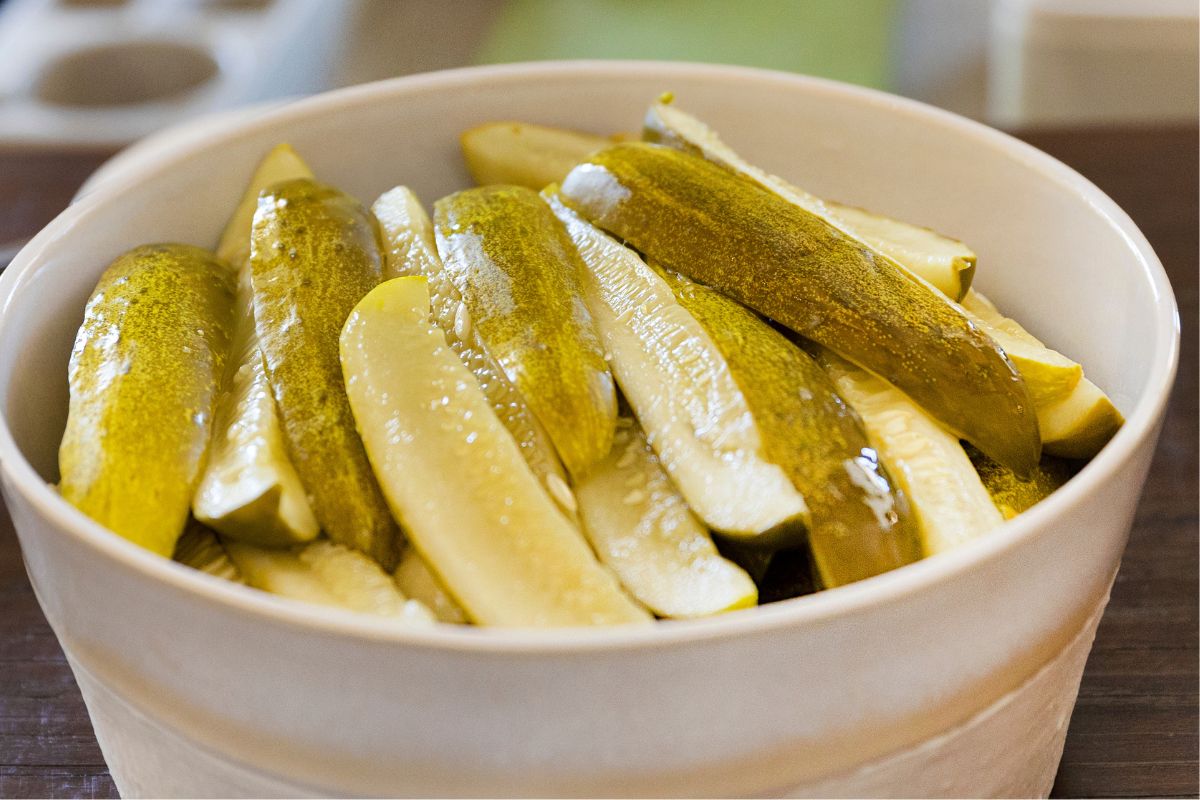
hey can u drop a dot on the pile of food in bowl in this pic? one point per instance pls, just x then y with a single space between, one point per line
618 380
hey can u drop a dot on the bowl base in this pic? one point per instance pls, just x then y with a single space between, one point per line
1009 749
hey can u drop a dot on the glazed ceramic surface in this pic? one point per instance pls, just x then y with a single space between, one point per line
197 686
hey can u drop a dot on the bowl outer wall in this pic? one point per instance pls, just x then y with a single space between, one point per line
757 699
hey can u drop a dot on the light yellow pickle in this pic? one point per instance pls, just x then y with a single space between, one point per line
1077 420
455 477
641 529
412 251
327 574
928 464
524 154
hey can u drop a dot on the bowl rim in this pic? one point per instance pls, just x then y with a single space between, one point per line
1141 422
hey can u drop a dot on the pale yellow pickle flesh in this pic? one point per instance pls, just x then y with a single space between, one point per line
641 528
412 251
699 219
679 386
455 477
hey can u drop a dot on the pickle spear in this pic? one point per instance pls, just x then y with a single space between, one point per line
1013 495
858 527
1080 424
524 154
416 580
456 479
641 528
946 263
249 489
199 548
950 503
1074 423
679 386
411 250
1049 374
519 278
315 253
144 377
281 164
327 574
707 223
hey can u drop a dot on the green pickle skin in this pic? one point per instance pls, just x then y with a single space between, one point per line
315 252
1014 495
519 276
699 219
859 525
144 376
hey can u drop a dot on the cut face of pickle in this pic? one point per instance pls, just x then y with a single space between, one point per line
679 386
315 253
1081 423
199 548
641 528
945 263
519 279
927 463
412 251
711 225
858 527
524 154
250 490
1049 374
1074 423
455 478
327 574
144 376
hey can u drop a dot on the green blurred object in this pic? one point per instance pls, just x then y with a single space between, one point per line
848 40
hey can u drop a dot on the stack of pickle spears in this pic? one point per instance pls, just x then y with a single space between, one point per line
618 380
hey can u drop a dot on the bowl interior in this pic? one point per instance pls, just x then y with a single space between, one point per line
1053 252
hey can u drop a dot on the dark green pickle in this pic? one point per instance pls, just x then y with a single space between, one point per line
315 252
707 223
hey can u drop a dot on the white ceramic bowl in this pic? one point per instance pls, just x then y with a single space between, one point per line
952 676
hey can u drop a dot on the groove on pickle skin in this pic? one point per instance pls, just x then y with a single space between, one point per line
315 253
144 376
699 219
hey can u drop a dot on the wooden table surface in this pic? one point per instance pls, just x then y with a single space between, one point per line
1134 731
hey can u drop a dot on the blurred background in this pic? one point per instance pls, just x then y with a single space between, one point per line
106 72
